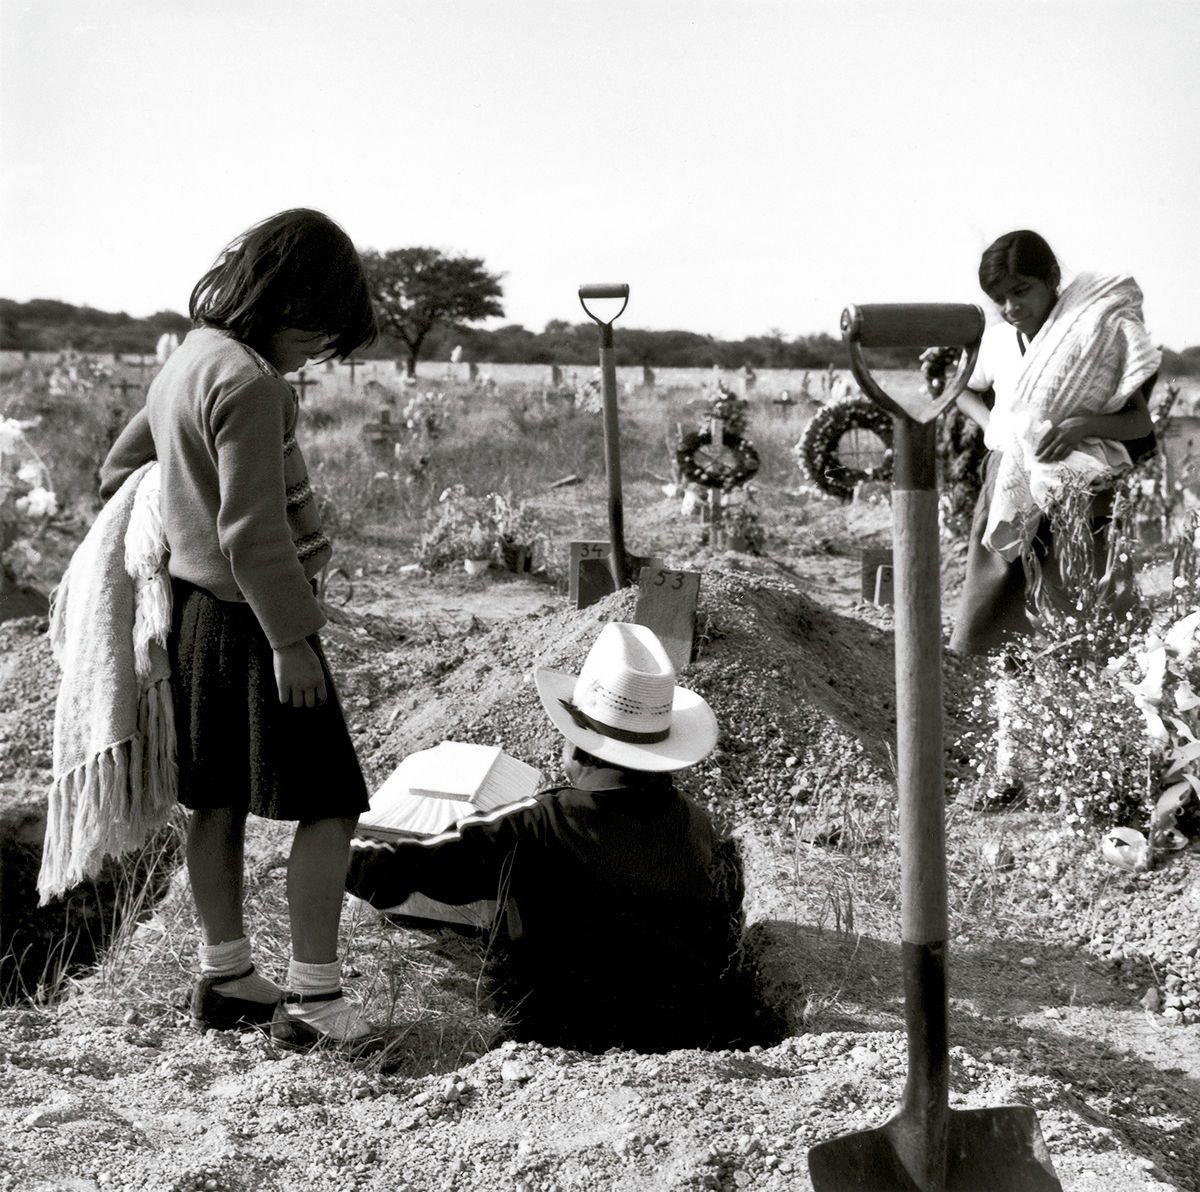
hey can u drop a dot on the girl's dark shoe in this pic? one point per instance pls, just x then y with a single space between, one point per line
213 1011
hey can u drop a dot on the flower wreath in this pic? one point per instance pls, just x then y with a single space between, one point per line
715 474
818 452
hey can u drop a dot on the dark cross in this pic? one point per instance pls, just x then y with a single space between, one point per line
352 364
123 386
385 431
302 383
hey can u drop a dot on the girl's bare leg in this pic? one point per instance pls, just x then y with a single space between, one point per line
316 885
216 840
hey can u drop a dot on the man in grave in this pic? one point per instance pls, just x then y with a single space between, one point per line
622 906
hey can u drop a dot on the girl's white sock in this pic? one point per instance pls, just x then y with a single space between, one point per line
231 959
334 1017
307 978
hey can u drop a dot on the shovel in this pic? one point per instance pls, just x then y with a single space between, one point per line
617 561
667 599
925 1146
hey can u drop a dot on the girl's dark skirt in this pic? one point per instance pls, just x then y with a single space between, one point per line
238 745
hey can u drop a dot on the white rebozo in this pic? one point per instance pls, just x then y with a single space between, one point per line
115 777
1090 356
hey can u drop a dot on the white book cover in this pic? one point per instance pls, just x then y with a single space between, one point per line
432 790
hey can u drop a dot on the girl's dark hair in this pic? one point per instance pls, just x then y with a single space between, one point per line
295 269
1024 253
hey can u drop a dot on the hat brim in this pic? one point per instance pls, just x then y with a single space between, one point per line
693 732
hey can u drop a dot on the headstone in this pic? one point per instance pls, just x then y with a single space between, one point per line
877 575
577 585
667 604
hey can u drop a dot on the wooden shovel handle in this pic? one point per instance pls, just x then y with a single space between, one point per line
605 290
913 324
919 715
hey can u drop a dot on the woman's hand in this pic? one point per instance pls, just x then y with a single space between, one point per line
1059 441
298 676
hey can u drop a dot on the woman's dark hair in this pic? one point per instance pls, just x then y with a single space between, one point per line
1022 253
295 269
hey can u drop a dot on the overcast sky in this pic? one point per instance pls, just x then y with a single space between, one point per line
744 165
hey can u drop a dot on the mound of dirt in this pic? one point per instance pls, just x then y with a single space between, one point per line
797 690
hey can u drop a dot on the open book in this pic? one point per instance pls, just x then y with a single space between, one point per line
432 790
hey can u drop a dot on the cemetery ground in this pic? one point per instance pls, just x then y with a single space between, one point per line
1052 953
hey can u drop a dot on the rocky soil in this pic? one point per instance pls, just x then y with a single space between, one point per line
1071 981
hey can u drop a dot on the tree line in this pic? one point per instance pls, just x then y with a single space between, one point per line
429 305
47 325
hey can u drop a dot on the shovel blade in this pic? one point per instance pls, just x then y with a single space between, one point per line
987 1150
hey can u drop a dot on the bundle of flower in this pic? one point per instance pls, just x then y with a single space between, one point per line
1106 719
475 528
26 500
426 414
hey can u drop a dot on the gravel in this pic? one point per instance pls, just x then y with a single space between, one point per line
1053 955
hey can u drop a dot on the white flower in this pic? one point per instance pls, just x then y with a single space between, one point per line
38 503
1185 698
1181 637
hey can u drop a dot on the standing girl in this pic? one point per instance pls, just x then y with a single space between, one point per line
1060 389
258 721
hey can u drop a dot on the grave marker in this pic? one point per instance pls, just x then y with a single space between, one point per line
385 432
302 382
590 577
667 604
877 575
124 385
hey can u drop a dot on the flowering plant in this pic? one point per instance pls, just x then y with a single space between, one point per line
740 520
426 414
1104 723
1163 684
470 527
729 407
26 500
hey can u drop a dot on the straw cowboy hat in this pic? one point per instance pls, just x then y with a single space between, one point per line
625 708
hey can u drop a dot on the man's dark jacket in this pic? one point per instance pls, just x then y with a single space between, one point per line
629 910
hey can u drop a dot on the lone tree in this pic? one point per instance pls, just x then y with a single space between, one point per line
416 289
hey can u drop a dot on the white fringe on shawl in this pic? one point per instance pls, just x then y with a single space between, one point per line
115 776
1090 357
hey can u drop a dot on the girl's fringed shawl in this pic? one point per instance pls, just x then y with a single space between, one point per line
115 776
1092 354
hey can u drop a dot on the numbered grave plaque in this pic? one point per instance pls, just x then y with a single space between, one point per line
667 604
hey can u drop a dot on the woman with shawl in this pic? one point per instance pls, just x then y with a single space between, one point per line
1060 389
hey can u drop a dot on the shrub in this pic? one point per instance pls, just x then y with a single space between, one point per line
1105 715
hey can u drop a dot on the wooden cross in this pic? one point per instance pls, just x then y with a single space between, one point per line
302 383
352 364
385 431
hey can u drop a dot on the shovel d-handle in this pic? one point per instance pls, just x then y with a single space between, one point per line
617 560
915 325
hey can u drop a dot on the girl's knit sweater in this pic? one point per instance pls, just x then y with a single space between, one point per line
238 509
